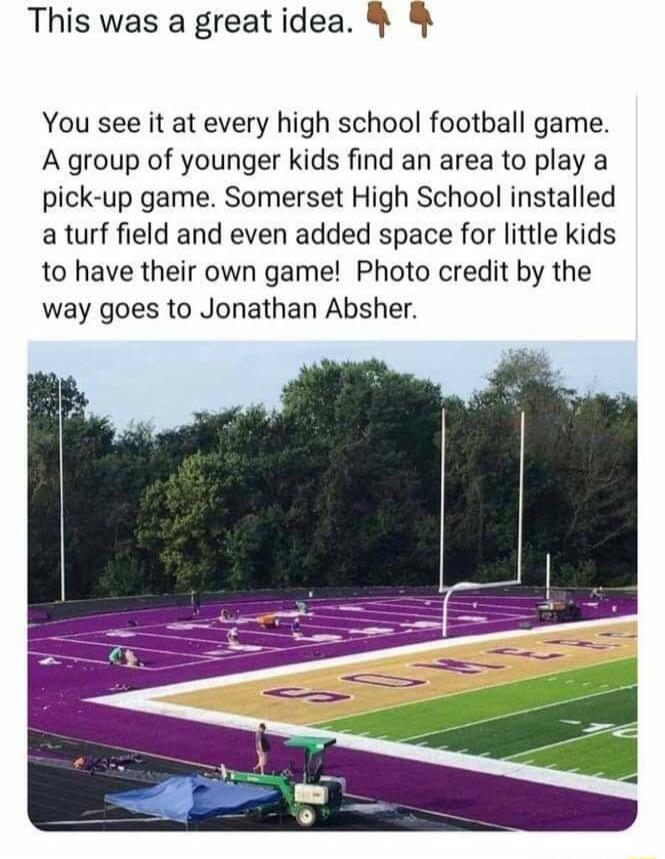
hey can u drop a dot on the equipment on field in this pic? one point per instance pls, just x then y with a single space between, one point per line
315 798
560 607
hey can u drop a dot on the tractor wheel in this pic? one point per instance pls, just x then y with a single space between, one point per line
306 816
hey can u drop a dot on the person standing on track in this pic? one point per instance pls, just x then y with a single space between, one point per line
195 600
262 749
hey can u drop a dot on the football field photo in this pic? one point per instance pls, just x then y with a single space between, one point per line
384 600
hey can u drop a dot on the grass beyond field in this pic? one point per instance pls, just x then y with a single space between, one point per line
581 720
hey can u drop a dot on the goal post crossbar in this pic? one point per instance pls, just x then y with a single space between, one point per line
460 586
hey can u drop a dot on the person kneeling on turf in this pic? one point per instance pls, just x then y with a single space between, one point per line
117 656
127 657
232 636
131 659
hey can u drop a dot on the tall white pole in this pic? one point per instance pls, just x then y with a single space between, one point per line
62 498
520 509
548 573
443 497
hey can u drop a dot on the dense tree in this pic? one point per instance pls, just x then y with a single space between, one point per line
87 441
340 486
43 397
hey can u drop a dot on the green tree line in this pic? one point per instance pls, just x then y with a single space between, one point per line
339 486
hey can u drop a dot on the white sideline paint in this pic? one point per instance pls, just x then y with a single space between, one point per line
389 748
143 700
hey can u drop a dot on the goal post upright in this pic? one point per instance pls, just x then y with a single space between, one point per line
458 586
63 590
548 575
443 498
520 505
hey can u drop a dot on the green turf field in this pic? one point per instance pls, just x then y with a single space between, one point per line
609 752
582 720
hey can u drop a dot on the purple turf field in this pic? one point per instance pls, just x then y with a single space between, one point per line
175 647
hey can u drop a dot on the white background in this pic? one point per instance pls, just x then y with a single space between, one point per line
567 56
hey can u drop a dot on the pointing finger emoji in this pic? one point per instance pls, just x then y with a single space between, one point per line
420 15
376 14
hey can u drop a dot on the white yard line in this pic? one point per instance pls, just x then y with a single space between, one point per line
222 640
109 646
505 611
453 623
58 656
308 645
515 713
570 740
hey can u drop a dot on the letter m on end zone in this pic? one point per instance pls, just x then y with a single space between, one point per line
458 666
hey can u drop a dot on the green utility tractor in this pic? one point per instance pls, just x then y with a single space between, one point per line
312 799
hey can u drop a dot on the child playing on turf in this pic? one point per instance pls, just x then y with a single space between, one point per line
295 627
232 636
120 656
131 659
117 656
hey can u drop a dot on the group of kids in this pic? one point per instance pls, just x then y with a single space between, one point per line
125 656
267 621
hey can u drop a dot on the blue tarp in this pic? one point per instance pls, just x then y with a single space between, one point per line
193 797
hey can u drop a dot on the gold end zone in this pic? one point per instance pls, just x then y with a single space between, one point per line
374 683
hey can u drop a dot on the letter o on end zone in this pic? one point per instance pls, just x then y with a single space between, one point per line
312 696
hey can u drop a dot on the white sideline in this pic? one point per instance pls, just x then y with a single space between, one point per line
143 700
